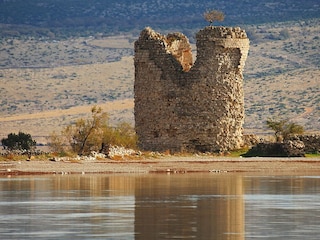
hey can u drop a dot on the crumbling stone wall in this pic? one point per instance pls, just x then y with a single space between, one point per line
311 142
287 148
184 107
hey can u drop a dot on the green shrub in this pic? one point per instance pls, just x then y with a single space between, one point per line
283 128
122 135
20 141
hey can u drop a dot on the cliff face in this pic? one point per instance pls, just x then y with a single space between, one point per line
185 107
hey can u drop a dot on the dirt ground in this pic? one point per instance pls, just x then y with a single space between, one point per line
167 165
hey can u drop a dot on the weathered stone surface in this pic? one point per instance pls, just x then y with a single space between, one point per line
294 148
180 107
120 152
283 149
111 151
311 142
250 140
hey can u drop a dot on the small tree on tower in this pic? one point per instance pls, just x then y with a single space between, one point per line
213 15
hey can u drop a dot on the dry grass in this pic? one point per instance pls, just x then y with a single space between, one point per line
282 76
42 104
68 77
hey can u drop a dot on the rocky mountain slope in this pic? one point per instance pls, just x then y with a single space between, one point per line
54 18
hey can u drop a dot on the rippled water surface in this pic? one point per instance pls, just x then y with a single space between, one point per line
156 206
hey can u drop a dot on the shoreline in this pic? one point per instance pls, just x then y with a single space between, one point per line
167 165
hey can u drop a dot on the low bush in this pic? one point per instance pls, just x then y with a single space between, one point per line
92 134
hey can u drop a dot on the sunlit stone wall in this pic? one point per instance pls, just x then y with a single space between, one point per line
184 107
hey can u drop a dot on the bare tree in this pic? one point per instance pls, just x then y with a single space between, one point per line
213 15
86 134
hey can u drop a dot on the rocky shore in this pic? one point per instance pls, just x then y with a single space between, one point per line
166 164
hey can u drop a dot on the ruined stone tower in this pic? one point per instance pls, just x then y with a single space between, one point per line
181 106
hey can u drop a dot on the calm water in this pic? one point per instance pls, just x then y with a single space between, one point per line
191 206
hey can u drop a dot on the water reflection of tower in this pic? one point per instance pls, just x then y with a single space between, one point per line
184 206
224 213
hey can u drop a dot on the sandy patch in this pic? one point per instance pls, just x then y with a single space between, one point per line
169 165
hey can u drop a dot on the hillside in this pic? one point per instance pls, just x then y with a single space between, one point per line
46 84
282 75
65 18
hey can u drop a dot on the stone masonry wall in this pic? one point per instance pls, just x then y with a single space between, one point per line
311 142
184 107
